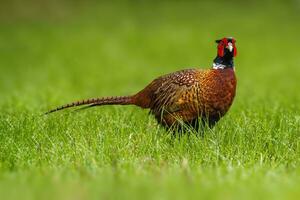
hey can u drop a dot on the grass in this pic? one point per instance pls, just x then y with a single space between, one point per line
57 52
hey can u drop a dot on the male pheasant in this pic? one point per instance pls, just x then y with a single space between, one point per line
184 96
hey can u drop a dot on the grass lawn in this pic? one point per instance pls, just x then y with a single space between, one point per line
55 52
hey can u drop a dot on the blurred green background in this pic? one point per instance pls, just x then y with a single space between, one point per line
54 52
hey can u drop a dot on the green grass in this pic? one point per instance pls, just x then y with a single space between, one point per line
57 52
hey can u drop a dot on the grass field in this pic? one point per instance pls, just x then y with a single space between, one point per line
55 52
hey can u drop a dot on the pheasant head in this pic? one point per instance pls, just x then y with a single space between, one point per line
226 51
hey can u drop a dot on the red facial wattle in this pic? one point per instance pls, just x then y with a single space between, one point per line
222 44
234 48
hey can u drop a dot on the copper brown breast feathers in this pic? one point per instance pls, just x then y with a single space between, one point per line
186 96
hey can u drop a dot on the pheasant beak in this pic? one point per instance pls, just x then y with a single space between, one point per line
230 47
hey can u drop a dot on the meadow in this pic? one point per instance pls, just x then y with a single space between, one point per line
55 52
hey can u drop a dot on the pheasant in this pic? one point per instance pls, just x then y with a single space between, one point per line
184 97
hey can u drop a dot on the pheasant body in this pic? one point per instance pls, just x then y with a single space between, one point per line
183 96
188 94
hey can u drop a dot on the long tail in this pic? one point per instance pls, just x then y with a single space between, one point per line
124 100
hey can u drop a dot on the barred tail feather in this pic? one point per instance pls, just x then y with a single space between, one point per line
123 100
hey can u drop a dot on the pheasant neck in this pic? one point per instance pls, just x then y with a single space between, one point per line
223 62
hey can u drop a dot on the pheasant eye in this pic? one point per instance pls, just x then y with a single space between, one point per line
225 41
